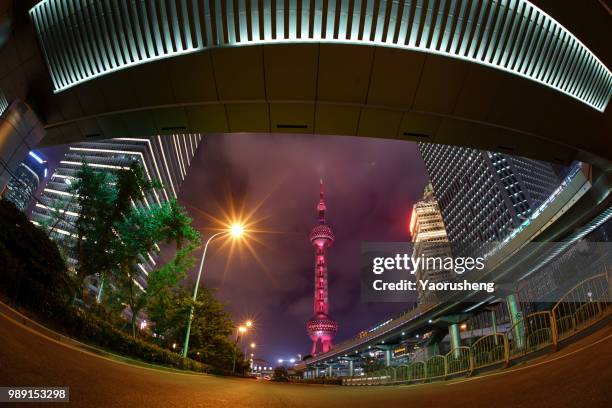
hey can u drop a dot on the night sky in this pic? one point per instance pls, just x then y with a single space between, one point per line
370 186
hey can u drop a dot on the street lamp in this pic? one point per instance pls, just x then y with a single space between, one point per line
236 231
241 330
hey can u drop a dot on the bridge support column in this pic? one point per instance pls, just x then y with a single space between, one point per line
351 368
316 372
387 357
516 318
432 350
330 370
455 338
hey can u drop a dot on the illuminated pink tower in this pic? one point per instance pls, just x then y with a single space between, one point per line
321 328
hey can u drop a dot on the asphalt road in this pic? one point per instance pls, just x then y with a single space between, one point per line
578 376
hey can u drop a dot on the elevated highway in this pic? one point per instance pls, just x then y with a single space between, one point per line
574 210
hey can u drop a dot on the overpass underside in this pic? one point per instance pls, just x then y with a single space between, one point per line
461 73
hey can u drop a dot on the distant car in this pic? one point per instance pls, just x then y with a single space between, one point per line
267 377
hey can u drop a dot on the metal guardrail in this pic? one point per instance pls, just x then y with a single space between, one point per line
574 313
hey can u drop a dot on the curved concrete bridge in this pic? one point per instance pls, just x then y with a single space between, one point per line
500 75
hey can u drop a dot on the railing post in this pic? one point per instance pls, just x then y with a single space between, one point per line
445 366
472 364
553 330
506 350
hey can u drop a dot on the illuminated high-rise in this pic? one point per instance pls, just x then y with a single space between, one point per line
321 327
28 176
430 240
484 196
163 158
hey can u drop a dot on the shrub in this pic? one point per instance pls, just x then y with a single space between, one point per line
92 330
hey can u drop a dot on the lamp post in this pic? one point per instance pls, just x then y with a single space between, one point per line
239 331
235 231
246 348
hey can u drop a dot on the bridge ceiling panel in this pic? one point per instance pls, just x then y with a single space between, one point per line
207 118
248 117
379 122
192 78
84 39
336 119
239 76
395 78
291 71
344 73
437 67
292 117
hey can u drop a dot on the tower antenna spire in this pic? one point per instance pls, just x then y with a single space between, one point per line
321 207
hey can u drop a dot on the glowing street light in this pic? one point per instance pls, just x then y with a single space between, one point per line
242 329
253 345
236 230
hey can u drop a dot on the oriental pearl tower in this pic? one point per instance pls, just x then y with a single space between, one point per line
321 328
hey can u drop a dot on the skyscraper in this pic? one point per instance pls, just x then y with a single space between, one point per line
321 327
27 178
430 239
484 196
164 158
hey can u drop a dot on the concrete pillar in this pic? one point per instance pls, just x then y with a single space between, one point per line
432 350
455 338
351 368
316 372
387 357
516 318
330 370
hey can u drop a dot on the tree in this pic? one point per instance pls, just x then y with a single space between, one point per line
210 328
105 200
139 232
176 225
